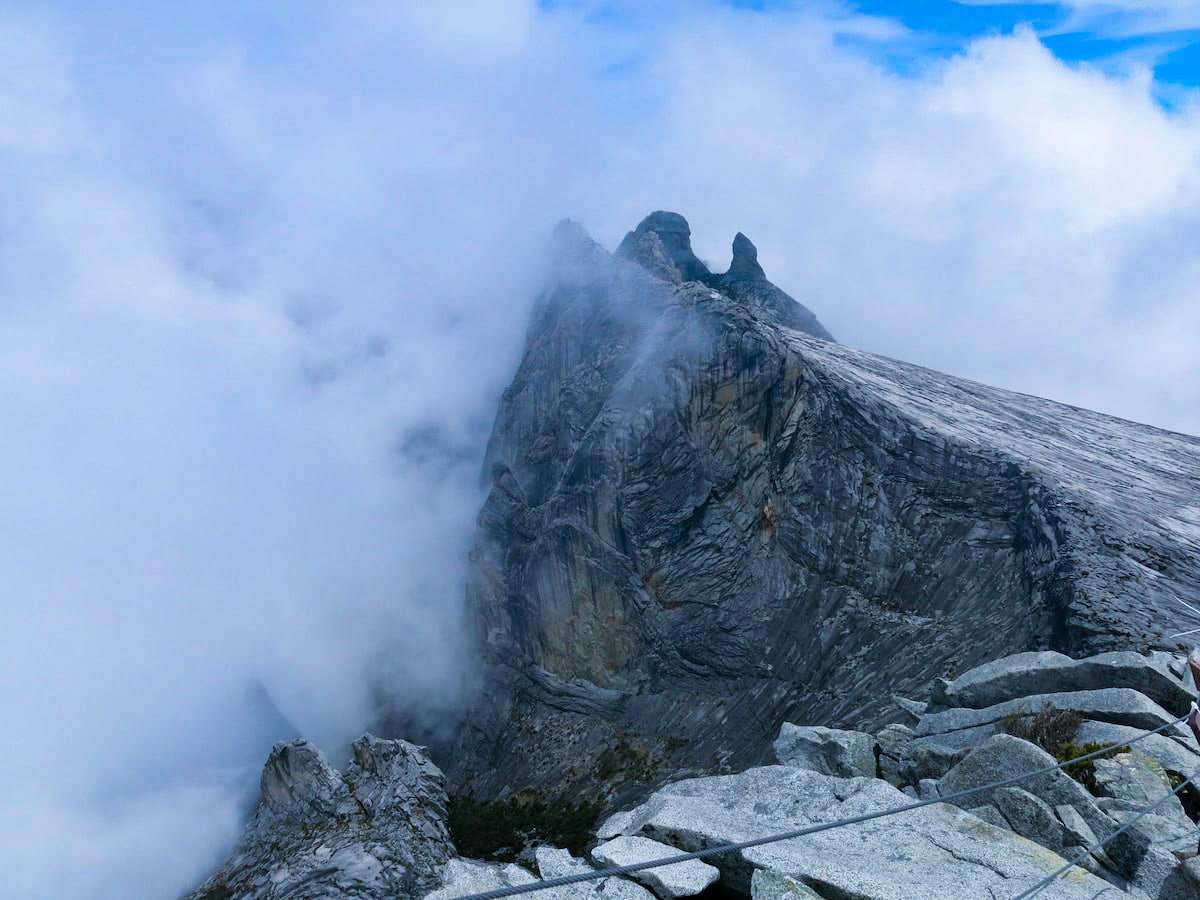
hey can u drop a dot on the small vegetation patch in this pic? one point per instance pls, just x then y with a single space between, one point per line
629 762
499 831
1189 796
1054 731
1049 729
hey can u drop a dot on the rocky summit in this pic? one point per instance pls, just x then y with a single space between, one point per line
707 518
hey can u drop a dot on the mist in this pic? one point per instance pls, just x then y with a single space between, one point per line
264 275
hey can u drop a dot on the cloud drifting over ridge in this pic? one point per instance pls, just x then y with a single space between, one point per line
262 277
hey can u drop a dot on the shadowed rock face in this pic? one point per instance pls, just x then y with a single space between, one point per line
705 521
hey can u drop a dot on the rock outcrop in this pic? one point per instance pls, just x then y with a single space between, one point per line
998 816
1157 856
1015 822
935 851
683 879
462 877
706 518
378 830
830 751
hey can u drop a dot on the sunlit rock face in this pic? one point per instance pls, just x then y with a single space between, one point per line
706 518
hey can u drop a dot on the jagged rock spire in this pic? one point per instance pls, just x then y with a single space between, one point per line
745 260
378 830
662 245
676 237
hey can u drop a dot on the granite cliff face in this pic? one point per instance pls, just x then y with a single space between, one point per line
707 518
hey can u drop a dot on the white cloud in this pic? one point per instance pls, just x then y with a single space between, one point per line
236 275
1118 18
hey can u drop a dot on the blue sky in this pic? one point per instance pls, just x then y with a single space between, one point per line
1163 36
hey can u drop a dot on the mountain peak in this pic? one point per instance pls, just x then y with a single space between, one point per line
745 260
662 245
676 237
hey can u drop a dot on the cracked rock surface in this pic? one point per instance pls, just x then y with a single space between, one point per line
668 882
935 852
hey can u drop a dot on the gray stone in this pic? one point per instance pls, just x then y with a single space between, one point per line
830 751
1076 832
1046 672
378 831
1030 817
914 708
929 759
745 260
1077 836
1121 706
927 789
768 885
991 815
1167 831
676 880
1179 668
555 863
649 253
1145 853
1135 781
893 738
956 854
1174 754
462 877
1004 756
893 742
963 739
614 825
675 234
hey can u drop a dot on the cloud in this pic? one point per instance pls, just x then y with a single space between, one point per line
263 277
1117 18
246 381
1003 216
